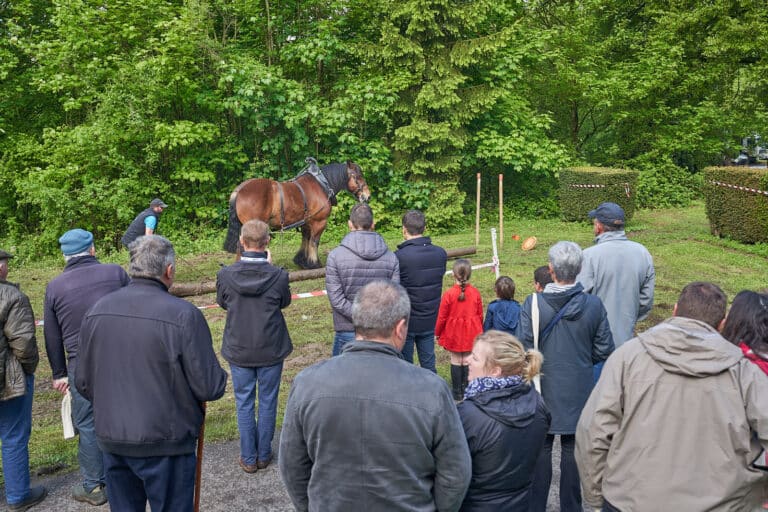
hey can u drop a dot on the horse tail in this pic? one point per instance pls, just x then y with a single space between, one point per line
233 228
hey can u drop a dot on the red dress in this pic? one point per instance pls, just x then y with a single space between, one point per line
459 322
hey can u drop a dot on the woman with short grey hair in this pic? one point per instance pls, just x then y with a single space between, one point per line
573 335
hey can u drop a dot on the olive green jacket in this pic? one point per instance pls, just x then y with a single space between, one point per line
18 345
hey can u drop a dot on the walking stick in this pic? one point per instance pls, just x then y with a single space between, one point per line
199 468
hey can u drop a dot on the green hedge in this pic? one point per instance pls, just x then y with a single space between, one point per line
583 188
737 213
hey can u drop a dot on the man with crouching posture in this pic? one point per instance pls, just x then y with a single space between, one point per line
147 364
367 430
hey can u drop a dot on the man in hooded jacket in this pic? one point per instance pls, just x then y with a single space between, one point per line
361 257
677 418
256 340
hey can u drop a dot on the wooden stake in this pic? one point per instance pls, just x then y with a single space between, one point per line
477 213
501 211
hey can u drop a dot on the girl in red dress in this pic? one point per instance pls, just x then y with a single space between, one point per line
459 321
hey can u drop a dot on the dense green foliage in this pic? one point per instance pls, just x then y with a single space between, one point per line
583 188
737 203
105 105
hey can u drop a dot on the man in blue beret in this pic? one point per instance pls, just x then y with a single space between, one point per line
67 297
145 223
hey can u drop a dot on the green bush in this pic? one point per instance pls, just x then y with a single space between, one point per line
735 213
583 188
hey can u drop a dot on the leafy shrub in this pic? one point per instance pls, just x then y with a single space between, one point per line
664 185
737 213
583 188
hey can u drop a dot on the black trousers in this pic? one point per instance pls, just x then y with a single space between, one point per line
570 486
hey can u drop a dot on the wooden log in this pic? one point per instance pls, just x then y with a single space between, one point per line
209 286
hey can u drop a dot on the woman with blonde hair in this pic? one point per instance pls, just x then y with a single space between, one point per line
505 421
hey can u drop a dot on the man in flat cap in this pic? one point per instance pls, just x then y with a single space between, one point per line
18 361
67 297
145 223
619 271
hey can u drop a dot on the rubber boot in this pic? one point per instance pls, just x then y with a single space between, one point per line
456 380
464 379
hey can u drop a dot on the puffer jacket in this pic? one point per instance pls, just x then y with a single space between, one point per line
17 341
253 294
674 423
505 430
361 257
422 266
581 339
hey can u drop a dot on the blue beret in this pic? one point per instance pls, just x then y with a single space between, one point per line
75 241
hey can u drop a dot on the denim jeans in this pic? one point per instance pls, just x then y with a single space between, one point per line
425 346
88 453
15 428
168 483
570 485
256 436
341 338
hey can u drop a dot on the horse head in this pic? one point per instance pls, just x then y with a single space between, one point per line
356 182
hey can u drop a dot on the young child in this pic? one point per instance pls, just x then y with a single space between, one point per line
541 278
459 321
504 312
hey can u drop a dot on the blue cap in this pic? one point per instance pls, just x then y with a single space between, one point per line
609 214
75 241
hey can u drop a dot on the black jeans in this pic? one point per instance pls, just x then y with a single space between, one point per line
570 487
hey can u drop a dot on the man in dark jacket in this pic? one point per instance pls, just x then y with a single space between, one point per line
573 336
368 431
18 362
145 223
146 363
67 297
256 340
361 257
422 266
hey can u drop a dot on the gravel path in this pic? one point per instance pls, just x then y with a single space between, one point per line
226 488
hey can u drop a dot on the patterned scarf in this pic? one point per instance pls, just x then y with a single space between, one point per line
482 384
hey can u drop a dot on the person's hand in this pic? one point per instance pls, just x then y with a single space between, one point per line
61 385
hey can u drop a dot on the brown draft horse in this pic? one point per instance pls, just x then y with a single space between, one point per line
304 201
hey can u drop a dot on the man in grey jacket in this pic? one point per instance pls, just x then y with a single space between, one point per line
677 418
619 271
361 257
369 431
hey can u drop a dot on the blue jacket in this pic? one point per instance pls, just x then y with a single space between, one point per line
505 430
67 297
422 266
502 315
146 363
581 339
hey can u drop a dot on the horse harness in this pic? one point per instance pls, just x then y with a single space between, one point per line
307 214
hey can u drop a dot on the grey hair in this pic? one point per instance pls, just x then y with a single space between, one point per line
150 256
84 253
378 307
565 258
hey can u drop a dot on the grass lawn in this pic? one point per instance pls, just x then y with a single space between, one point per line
679 240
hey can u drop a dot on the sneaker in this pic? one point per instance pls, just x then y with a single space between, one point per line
248 468
36 495
262 464
97 495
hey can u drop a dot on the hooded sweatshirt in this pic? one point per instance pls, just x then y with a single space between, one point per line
254 292
361 257
505 430
674 423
